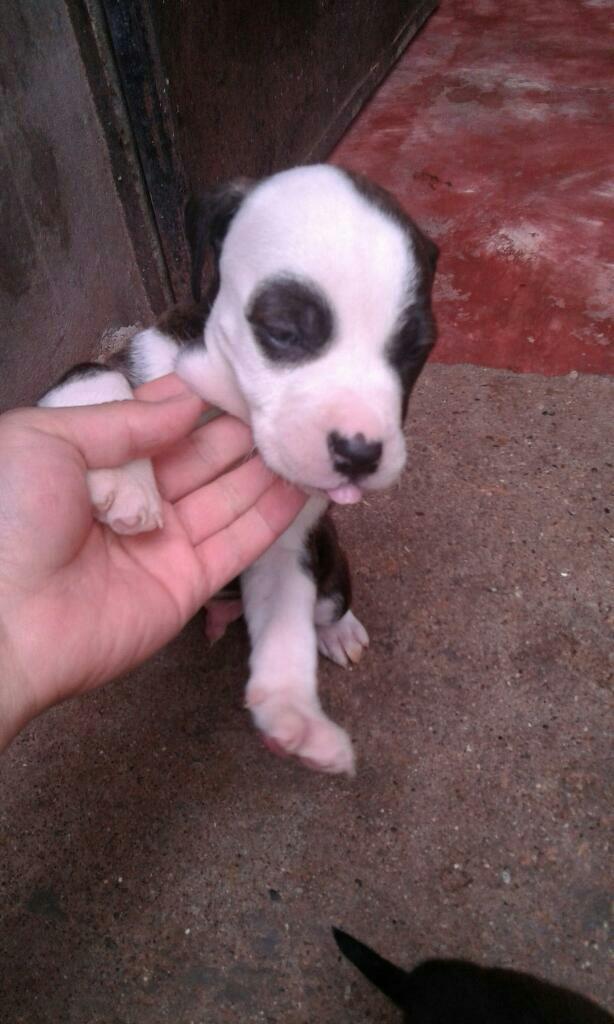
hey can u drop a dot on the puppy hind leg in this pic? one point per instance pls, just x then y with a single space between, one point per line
279 601
126 498
340 635
344 640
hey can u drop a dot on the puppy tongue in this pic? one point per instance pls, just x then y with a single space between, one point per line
347 494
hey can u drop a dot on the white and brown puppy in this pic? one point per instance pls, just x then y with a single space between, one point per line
315 327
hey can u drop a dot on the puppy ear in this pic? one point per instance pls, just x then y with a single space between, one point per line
207 218
427 249
432 252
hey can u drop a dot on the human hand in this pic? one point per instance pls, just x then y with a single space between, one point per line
79 605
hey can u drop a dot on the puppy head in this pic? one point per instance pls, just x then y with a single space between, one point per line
323 311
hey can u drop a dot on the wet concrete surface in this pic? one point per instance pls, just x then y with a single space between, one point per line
158 865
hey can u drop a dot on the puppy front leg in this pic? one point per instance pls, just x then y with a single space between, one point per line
125 498
279 599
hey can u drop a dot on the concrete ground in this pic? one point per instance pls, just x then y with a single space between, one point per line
159 865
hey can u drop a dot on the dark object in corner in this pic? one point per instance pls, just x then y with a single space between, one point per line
459 992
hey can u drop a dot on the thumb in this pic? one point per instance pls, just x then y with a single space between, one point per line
113 433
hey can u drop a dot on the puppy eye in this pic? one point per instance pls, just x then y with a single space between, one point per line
290 320
281 337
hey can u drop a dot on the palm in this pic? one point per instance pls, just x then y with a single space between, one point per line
118 599
82 604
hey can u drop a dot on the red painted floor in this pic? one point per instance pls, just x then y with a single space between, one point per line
494 131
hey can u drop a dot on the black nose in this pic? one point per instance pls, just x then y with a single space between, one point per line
354 456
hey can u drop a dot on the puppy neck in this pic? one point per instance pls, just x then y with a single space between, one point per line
208 372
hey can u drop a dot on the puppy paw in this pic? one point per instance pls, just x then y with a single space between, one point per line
290 728
127 498
344 641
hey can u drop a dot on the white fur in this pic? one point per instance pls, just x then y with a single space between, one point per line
312 223
153 355
343 641
213 378
91 389
125 498
279 600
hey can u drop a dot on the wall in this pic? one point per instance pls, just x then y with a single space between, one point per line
68 270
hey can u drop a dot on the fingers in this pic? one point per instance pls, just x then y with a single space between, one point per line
202 456
212 508
164 387
229 552
112 434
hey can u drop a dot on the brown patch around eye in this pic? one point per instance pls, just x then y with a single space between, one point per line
291 320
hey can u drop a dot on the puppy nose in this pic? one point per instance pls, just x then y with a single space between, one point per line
354 456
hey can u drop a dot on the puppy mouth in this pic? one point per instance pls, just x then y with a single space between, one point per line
342 490
350 491
338 487
346 494
343 494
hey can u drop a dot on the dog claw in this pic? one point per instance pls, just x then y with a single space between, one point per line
344 641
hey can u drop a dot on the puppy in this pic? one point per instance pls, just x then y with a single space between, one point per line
458 992
314 328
